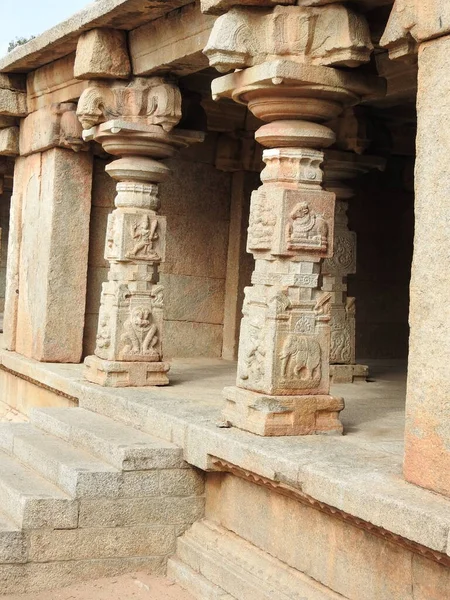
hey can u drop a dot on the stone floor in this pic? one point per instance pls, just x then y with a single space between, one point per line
127 587
359 473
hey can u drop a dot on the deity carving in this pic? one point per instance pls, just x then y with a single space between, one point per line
255 354
158 296
307 230
143 232
140 335
104 333
261 225
300 360
340 348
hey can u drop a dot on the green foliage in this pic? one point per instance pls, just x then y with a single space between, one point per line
19 41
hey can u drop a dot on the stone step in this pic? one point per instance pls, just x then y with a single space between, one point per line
238 568
124 447
72 469
32 501
12 541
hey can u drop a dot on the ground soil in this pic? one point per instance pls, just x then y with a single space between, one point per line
137 586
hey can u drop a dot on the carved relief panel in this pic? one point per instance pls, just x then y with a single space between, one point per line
130 323
291 223
283 347
135 236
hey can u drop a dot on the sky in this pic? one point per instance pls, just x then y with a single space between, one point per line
24 18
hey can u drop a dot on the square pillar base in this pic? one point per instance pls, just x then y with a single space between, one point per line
348 373
267 415
125 374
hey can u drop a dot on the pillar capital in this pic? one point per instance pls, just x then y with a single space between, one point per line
331 35
143 101
135 122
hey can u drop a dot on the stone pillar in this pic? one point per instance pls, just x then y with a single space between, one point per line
239 154
282 385
427 433
339 168
48 243
129 350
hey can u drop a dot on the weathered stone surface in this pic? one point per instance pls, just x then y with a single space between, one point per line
270 415
53 83
61 40
412 22
174 43
79 544
218 7
210 556
53 190
131 512
13 98
188 339
9 141
51 127
297 33
300 535
52 575
102 54
427 455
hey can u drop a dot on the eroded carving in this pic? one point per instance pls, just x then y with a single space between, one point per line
307 230
262 223
143 232
300 360
152 101
140 335
329 35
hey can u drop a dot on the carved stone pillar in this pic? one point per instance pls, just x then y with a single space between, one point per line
129 350
339 168
282 383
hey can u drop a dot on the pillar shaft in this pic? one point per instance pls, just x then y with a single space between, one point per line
427 437
48 242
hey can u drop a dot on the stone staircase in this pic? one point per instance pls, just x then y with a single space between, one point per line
83 496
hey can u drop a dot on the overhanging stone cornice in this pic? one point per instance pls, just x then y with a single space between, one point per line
62 39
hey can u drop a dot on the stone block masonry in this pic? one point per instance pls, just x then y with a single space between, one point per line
83 496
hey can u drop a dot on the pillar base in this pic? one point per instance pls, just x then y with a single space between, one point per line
125 374
348 373
267 415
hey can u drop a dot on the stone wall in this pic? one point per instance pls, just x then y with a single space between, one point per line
196 201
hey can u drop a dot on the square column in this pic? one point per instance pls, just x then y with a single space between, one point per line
49 234
427 435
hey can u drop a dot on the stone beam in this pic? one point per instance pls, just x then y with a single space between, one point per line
62 39
13 97
218 7
102 54
173 43
412 22
54 83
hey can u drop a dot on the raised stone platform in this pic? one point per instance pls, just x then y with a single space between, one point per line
359 473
